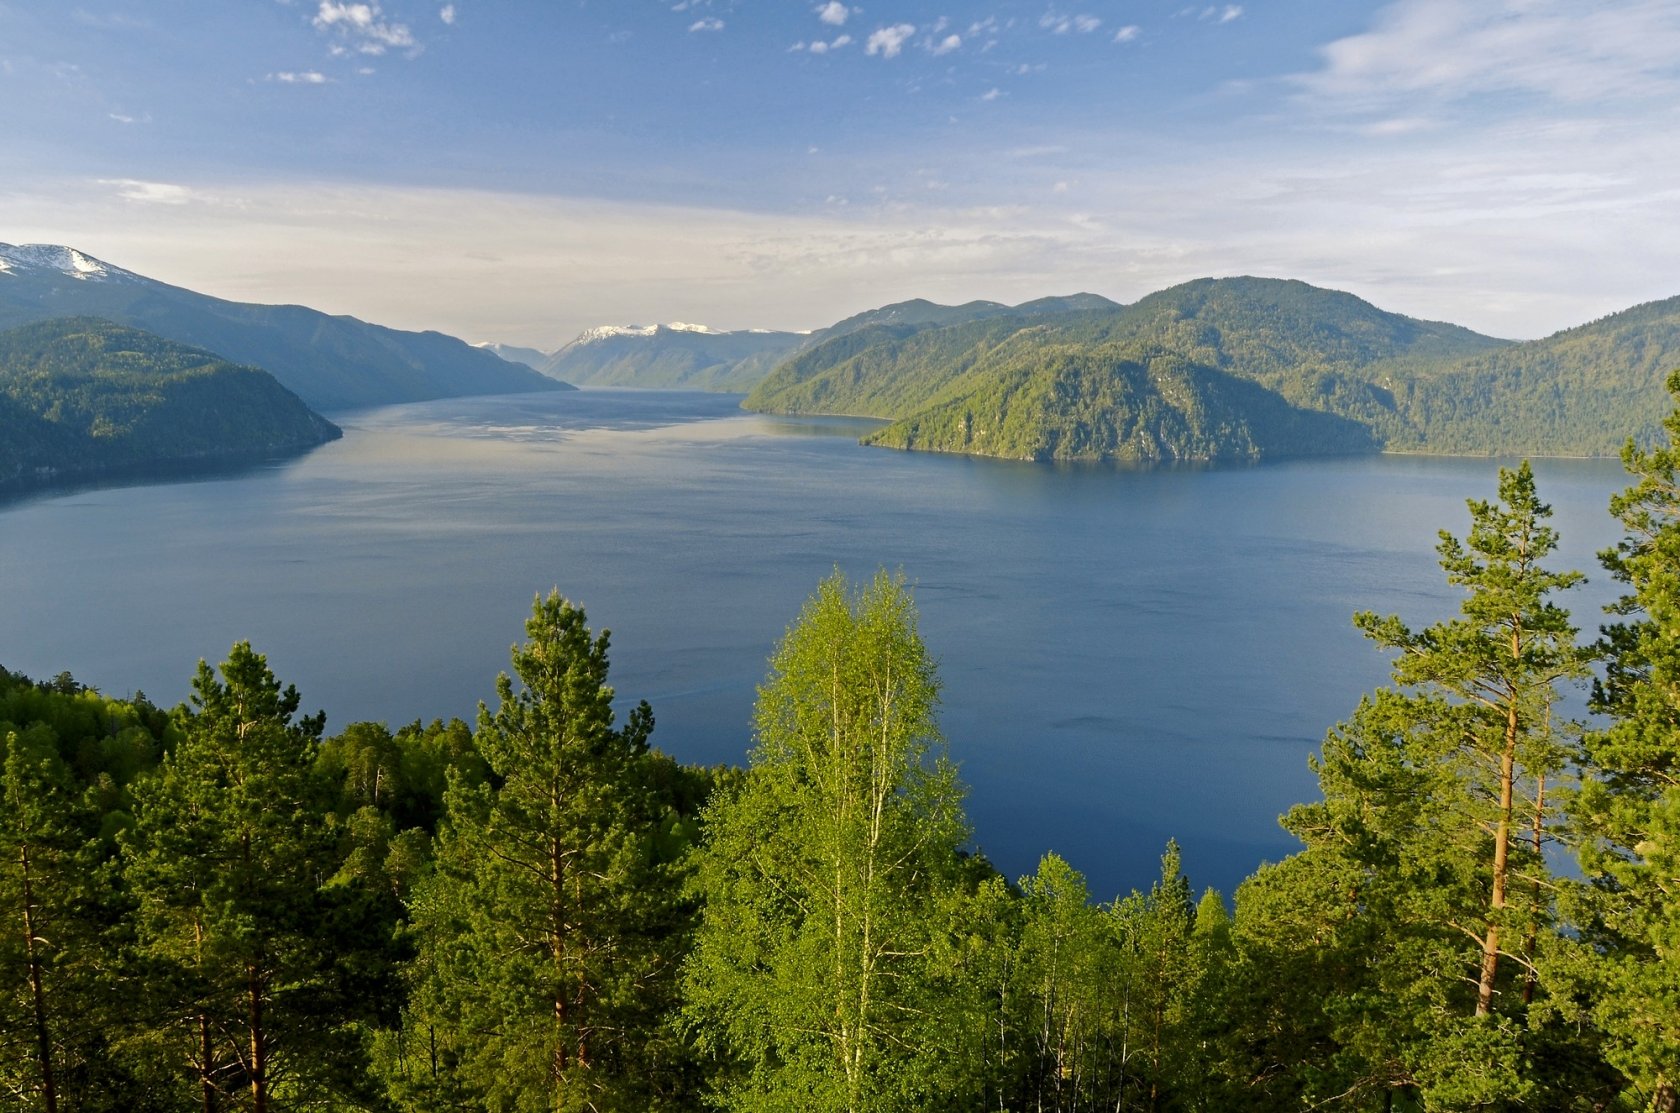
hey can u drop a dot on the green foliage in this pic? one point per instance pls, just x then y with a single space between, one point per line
244 945
81 396
550 934
1626 969
822 873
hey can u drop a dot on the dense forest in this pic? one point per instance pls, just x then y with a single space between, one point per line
221 906
80 396
1316 371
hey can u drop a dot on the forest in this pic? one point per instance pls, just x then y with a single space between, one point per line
221 906
80 396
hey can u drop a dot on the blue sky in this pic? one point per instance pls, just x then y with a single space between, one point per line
518 171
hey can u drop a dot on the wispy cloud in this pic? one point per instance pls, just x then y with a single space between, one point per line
447 14
821 47
1554 51
363 26
151 193
945 45
833 13
710 23
1215 13
888 42
308 77
1061 24
1128 33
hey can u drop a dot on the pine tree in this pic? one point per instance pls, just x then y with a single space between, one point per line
228 859
1438 797
1627 813
549 935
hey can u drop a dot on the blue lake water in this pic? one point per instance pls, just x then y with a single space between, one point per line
1127 656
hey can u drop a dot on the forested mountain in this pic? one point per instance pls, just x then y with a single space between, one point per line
1580 392
222 907
679 356
1024 383
81 396
330 362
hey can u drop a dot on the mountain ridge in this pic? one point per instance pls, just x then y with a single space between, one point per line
329 361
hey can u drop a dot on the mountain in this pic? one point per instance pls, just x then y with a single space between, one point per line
530 357
329 362
1111 402
887 362
81 396
690 357
1580 392
1032 376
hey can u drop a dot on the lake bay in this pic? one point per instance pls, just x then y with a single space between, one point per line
1127 656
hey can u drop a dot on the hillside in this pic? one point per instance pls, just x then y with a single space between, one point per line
675 356
1111 402
329 362
889 361
1580 392
1410 385
80 396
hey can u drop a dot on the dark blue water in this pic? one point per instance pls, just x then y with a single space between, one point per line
1126 655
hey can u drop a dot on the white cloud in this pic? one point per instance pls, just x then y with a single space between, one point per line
309 77
833 13
840 41
447 14
1058 24
364 25
710 23
991 94
151 193
1128 33
889 41
945 45
1216 14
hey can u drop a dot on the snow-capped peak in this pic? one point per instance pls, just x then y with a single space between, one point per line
54 257
608 332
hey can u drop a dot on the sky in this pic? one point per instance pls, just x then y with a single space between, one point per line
519 170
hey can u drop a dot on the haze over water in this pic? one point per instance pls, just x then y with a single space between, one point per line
1127 656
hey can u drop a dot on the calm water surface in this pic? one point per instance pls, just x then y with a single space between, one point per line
1127 656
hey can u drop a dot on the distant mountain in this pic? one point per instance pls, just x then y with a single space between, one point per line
1091 379
81 397
329 362
530 357
690 357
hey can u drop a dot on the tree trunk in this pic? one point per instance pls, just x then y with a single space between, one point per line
43 1039
206 1088
259 1041
1501 861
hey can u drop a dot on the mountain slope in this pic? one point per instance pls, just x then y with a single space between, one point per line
530 357
1580 392
330 362
81 396
888 361
689 357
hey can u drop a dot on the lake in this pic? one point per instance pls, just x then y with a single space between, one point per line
1127 655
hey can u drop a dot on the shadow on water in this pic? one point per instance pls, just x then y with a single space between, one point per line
146 475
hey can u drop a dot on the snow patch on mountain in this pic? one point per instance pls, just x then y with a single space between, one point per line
609 332
16 258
